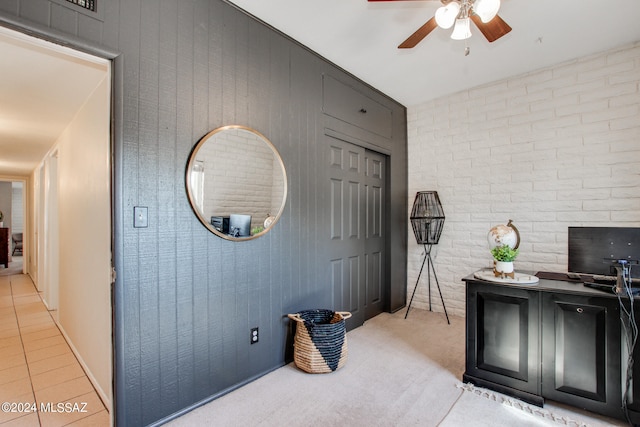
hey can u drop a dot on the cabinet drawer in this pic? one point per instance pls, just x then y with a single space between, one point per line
347 104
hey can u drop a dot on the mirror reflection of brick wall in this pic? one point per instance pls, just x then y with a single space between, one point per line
241 173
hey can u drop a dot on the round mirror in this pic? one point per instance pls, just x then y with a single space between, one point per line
236 182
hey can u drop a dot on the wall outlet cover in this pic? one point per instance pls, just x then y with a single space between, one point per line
140 217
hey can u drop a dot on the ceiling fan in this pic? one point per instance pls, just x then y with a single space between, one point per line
483 13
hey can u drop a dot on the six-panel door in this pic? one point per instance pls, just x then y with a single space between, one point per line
357 230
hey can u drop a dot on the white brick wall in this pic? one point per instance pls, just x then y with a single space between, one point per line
554 148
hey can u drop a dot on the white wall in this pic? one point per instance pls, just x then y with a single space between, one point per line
84 214
554 148
33 210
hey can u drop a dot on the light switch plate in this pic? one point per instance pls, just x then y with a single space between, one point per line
140 217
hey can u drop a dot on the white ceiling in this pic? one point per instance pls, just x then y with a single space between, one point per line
43 86
362 38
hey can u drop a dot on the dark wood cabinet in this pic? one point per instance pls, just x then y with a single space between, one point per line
554 340
503 344
4 247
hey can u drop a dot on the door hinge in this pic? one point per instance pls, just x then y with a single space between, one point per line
113 275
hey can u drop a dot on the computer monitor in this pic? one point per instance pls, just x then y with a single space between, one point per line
595 250
239 225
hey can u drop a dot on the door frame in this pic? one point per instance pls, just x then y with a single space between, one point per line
116 131
49 261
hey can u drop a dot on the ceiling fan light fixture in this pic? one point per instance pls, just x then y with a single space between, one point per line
486 9
462 30
446 15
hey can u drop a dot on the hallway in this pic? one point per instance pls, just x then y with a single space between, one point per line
38 370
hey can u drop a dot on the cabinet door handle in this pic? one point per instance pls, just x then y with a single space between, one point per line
579 310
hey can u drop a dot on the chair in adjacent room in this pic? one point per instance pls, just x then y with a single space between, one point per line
17 243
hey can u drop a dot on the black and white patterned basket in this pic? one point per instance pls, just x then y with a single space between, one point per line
320 342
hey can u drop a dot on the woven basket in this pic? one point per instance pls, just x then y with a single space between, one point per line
320 342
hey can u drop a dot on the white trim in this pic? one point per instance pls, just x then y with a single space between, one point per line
50 46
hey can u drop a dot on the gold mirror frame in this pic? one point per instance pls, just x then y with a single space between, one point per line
232 146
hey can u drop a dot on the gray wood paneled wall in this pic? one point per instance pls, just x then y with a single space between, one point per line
184 299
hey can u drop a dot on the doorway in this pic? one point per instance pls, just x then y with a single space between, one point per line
357 230
68 178
12 219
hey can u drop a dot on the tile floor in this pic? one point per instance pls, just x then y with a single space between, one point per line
37 367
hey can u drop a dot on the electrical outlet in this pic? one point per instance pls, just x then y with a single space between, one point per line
254 335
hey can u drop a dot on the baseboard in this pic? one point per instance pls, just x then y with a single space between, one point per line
106 399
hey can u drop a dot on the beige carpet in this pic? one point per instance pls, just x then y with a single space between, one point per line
399 373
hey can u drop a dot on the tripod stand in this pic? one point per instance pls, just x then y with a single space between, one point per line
430 268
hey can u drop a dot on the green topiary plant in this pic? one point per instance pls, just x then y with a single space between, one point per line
504 253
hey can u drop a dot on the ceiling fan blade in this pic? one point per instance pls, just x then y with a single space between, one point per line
420 33
493 29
